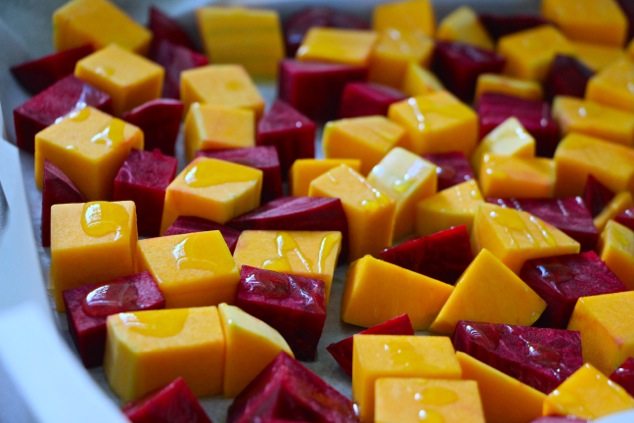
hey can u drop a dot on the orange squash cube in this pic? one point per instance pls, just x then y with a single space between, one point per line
348 46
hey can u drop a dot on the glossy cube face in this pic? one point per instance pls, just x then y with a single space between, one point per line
407 15
130 79
463 25
191 270
616 247
521 177
89 146
91 242
303 171
348 46
611 85
494 83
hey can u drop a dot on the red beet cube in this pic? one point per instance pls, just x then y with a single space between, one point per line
567 76
294 305
342 351
315 88
539 357
88 306
444 255
500 25
285 389
160 121
626 218
165 28
36 75
189 224
264 158
143 178
292 133
174 403
57 188
175 59
624 375
367 99
61 98
453 168
596 196
561 280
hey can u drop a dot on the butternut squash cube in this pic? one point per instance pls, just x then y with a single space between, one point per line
617 205
597 56
303 171
611 85
520 177
335 45
463 25
501 84
418 81
616 249
405 15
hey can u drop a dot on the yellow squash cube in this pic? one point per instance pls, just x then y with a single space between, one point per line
488 291
191 270
587 394
612 85
418 81
367 138
212 127
463 25
370 281
129 79
89 146
305 253
146 350
407 179
494 83
453 206
91 242
251 345
377 356
213 189
436 123
618 204
246 36
412 400
348 46
515 236
405 15
616 249
597 56
98 23
513 176
303 171
369 212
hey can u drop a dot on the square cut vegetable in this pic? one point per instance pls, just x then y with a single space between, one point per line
462 25
616 248
512 176
303 171
610 86
335 45
405 15
494 83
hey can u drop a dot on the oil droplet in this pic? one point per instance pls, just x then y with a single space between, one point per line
101 218
79 115
111 135
194 252
430 416
105 70
374 204
328 243
207 172
111 299
418 114
436 395
399 354
156 324
286 245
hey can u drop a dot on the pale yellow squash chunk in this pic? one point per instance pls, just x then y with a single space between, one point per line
618 204
587 394
146 350
377 356
90 242
597 56
504 398
488 291
494 83
412 400
418 81
515 236
616 249
604 322
370 281
191 270
463 25
251 345
303 171
405 15
612 85
520 177
348 46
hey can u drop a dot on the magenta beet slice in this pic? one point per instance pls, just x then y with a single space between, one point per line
444 255
174 403
624 375
294 305
143 178
160 121
596 195
500 25
315 88
567 76
458 66
190 224
535 116
367 99
57 188
539 357
36 75
292 133
264 158
297 25
626 218
165 28
88 306
175 59
569 215
453 168
342 351
61 98
286 389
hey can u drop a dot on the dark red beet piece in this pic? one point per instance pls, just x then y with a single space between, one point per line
264 158
626 218
165 28
367 99
175 59
567 76
56 189
37 75
143 178
88 306
294 305
596 196
458 66
500 25
315 88
285 389
174 403
628 8
453 168
189 224
160 121
342 351
444 255
292 133
569 215
561 280
624 375
539 357
61 98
